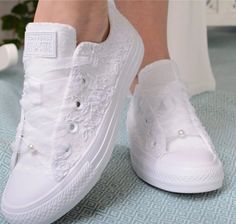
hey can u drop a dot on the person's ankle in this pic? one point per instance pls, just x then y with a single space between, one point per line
90 19
94 31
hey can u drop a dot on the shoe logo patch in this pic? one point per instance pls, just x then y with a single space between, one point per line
41 44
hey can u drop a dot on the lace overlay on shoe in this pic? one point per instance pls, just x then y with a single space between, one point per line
91 89
70 130
171 117
37 116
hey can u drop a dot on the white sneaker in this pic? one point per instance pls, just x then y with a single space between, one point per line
70 109
169 147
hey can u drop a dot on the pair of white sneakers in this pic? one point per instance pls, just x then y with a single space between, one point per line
71 103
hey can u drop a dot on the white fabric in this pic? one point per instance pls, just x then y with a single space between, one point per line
187 41
70 108
169 147
41 99
148 75
170 103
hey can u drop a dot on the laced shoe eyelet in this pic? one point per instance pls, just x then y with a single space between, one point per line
73 127
78 104
67 149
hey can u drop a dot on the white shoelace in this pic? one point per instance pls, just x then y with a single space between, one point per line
31 104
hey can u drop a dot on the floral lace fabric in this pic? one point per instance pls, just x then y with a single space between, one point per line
162 118
90 92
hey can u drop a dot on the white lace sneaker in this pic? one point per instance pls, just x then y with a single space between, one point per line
169 147
70 109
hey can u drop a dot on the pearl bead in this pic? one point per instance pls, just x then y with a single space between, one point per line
181 133
31 147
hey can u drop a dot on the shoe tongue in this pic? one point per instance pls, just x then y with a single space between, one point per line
48 47
159 73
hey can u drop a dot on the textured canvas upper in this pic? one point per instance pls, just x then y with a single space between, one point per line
169 147
67 93
163 113
71 103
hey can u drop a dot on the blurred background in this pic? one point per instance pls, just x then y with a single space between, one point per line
14 17
221 22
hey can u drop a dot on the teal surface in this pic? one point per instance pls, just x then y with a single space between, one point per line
120 197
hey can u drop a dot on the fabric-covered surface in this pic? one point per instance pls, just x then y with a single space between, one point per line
120 196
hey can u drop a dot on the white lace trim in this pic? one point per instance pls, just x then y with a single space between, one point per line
91 89
153 124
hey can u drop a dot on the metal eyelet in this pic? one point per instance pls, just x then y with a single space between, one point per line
67 149
78 104
73 127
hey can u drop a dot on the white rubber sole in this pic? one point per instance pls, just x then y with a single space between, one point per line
80 183
188 184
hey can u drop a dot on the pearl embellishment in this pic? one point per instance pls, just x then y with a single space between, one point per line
31 147
181 133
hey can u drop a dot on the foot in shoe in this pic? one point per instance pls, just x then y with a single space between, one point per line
70 107
169 147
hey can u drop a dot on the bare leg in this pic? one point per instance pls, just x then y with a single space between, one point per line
89 18
150 19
